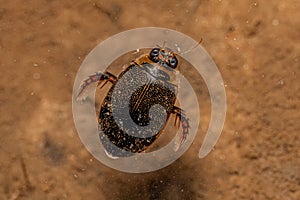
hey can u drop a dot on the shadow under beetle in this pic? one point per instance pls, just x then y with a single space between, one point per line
146 92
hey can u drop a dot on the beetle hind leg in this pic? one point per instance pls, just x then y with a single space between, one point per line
181 117
92 81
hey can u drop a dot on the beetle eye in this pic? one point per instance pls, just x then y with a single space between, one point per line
154 53
173 62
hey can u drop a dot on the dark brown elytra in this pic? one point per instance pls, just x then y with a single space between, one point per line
152 73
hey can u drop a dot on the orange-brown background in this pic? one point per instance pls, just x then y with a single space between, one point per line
256 47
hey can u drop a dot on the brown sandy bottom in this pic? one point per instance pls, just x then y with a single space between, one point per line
256 47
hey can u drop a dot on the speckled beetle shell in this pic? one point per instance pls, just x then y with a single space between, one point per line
138 104
159 91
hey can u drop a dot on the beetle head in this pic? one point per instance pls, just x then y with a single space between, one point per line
164 57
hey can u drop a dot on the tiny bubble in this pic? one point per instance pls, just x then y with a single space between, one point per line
262 75
234 39
35 64
177 47
66 74
32 93
75 176
281 82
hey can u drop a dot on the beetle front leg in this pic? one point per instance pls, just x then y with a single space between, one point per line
180 114
91 81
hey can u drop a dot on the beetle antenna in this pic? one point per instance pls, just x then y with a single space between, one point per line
189 50
163 46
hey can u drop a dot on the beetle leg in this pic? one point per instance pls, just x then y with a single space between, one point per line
176 120
90 82
180 114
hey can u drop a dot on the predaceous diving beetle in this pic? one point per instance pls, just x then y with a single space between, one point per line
145 92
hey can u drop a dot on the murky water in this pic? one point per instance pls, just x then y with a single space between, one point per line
254 44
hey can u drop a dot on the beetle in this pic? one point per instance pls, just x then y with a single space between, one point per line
145 93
